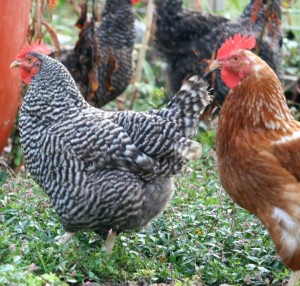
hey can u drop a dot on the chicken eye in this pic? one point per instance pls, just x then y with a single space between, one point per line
235 58
29 60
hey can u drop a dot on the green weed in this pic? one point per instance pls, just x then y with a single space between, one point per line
201 238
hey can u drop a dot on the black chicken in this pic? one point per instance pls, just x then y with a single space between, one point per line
188 40
101 62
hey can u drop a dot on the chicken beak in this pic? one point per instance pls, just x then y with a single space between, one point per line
15 64
215 65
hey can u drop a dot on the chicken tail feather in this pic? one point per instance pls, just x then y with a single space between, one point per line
188 149
188 104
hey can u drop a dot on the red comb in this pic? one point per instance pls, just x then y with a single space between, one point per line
235 43
38 47
133 2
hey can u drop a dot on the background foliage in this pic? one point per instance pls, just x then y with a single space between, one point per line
201 239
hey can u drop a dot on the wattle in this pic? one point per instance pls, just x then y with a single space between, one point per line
230 78
26 76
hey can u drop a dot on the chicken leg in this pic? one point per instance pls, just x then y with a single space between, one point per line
110 241
295 277
66 237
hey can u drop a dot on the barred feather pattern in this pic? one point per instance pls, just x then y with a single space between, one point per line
105 170
186 106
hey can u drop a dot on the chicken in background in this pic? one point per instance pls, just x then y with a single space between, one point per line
101 62
258 147
188 40
104 171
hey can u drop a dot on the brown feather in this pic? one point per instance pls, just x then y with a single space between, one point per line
259 157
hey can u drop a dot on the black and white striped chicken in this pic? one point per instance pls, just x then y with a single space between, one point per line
104 171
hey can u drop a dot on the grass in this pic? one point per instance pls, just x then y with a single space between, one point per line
201 238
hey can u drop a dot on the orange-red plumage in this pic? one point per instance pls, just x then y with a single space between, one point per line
258 150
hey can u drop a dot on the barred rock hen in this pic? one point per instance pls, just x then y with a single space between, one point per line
103 170
258 147
188 40
101 62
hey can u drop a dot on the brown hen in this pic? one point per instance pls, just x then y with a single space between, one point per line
258 147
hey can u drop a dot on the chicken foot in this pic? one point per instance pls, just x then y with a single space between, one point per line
295 277
110 241
66 237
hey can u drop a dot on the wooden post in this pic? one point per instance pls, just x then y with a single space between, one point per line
14 21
